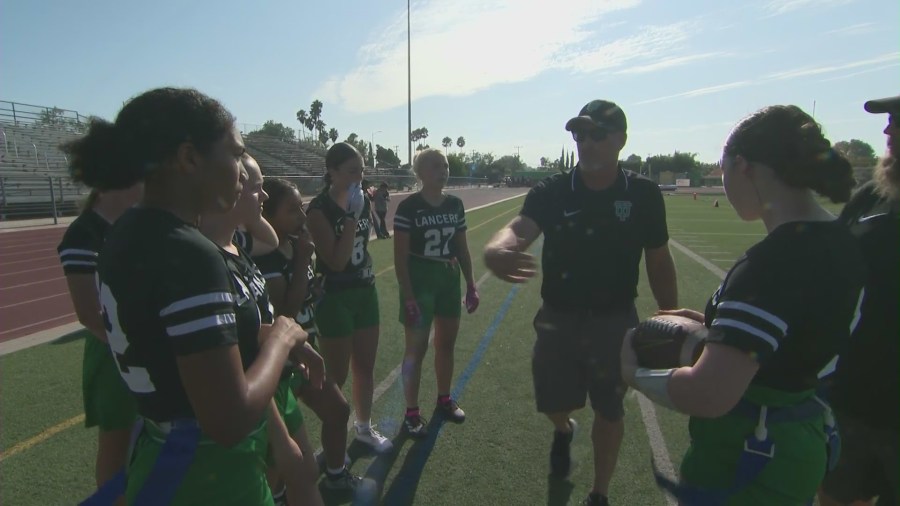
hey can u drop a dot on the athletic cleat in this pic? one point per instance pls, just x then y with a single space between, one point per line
415 426
320 460
560 456
594 499
451 411
343 481
374 439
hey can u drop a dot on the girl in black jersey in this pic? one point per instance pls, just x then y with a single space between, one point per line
295 474
780 317
170 310
430 250
293 289
107 403
339 220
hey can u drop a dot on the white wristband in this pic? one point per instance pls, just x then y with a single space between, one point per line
654 383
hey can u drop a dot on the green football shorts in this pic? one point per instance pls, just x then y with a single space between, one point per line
108 403
436 288
345 311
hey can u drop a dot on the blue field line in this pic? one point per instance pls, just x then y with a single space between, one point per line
404 485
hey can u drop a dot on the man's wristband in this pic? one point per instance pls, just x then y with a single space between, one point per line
654 383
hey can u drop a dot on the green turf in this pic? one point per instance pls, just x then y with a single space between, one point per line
499 456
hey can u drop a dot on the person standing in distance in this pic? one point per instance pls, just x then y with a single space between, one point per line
866 384
107 401
597 220
430 253
339 220
380 201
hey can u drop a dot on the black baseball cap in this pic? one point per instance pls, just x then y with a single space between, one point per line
599 113
883 105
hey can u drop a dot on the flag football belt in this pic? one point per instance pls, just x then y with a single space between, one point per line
451 262
180 439
758 450
343 279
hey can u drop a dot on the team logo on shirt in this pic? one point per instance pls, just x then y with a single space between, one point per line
623 209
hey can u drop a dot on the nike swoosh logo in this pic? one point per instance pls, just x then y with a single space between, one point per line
571 213
867 218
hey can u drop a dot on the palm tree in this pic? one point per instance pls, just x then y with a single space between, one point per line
461 142
446 142
303 119
333 135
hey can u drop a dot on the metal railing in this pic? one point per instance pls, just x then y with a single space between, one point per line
311 185
23 114
28 196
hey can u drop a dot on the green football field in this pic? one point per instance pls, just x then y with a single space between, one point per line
498 456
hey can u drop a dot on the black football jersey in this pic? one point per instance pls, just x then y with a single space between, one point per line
275 264
791 301
358 271
867 381
81 244
431 228
165 291
251 302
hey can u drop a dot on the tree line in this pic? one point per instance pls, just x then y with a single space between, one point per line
677 165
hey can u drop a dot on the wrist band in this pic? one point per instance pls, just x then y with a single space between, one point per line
654 383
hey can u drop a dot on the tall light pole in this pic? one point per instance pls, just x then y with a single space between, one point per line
374 151
408 86
517 151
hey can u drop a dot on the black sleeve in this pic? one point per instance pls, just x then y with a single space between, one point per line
656 233
196 297
536 206
79 249
403 218
754 306
271 265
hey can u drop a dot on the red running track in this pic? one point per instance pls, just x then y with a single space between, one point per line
33 291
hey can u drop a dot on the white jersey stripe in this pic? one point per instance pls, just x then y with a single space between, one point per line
218 320
72 251
727 322
196 301
78 262
272 275
755 311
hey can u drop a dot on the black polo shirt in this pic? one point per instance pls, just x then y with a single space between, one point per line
593 240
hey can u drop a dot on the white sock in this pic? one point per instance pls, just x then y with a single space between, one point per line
363 426
335 472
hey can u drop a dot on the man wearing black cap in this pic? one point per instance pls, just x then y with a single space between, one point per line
597 220
866 384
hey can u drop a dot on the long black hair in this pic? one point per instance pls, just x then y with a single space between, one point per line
790 141
145 135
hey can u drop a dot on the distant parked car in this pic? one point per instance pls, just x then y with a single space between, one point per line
668 187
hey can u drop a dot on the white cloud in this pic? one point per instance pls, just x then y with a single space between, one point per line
890 58
675 61
857 29
778 7
457 49
824 69
708 90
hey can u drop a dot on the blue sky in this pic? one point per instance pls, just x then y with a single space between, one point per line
501 73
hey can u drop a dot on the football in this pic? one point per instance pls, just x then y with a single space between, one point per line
667 341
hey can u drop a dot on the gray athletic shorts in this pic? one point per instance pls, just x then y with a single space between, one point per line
868 465
576 355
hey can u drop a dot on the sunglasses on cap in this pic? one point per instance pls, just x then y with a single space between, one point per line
597 134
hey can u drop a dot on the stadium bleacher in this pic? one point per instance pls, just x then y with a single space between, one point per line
31 161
